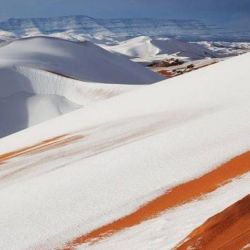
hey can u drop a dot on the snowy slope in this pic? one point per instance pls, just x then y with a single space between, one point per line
36 79
150 49
116 156
30 96
82 61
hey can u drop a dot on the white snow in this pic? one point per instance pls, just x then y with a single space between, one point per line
135 146
146 49
171 227
83 61
30 94
226 49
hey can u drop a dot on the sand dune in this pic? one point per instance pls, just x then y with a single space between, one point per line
83 61
148 49
179 195
138 164
38 79
229 229
30 96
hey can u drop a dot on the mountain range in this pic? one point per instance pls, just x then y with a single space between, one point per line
110 30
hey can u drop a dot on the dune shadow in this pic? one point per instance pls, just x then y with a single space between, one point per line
15 89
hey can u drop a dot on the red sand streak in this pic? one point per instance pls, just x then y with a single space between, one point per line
40 147
229 229
178 195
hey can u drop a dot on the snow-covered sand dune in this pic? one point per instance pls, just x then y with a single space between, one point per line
72 179
82 61
36 79
144 48
30 96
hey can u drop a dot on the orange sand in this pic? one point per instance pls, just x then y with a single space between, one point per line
178 195
40 147
229 229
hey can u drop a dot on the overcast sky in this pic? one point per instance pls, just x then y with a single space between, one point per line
223 10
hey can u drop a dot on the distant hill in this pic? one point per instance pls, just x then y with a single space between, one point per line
84 27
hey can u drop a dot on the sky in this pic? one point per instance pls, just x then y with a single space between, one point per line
211 10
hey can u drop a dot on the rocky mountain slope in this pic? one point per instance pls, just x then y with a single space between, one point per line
108 30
